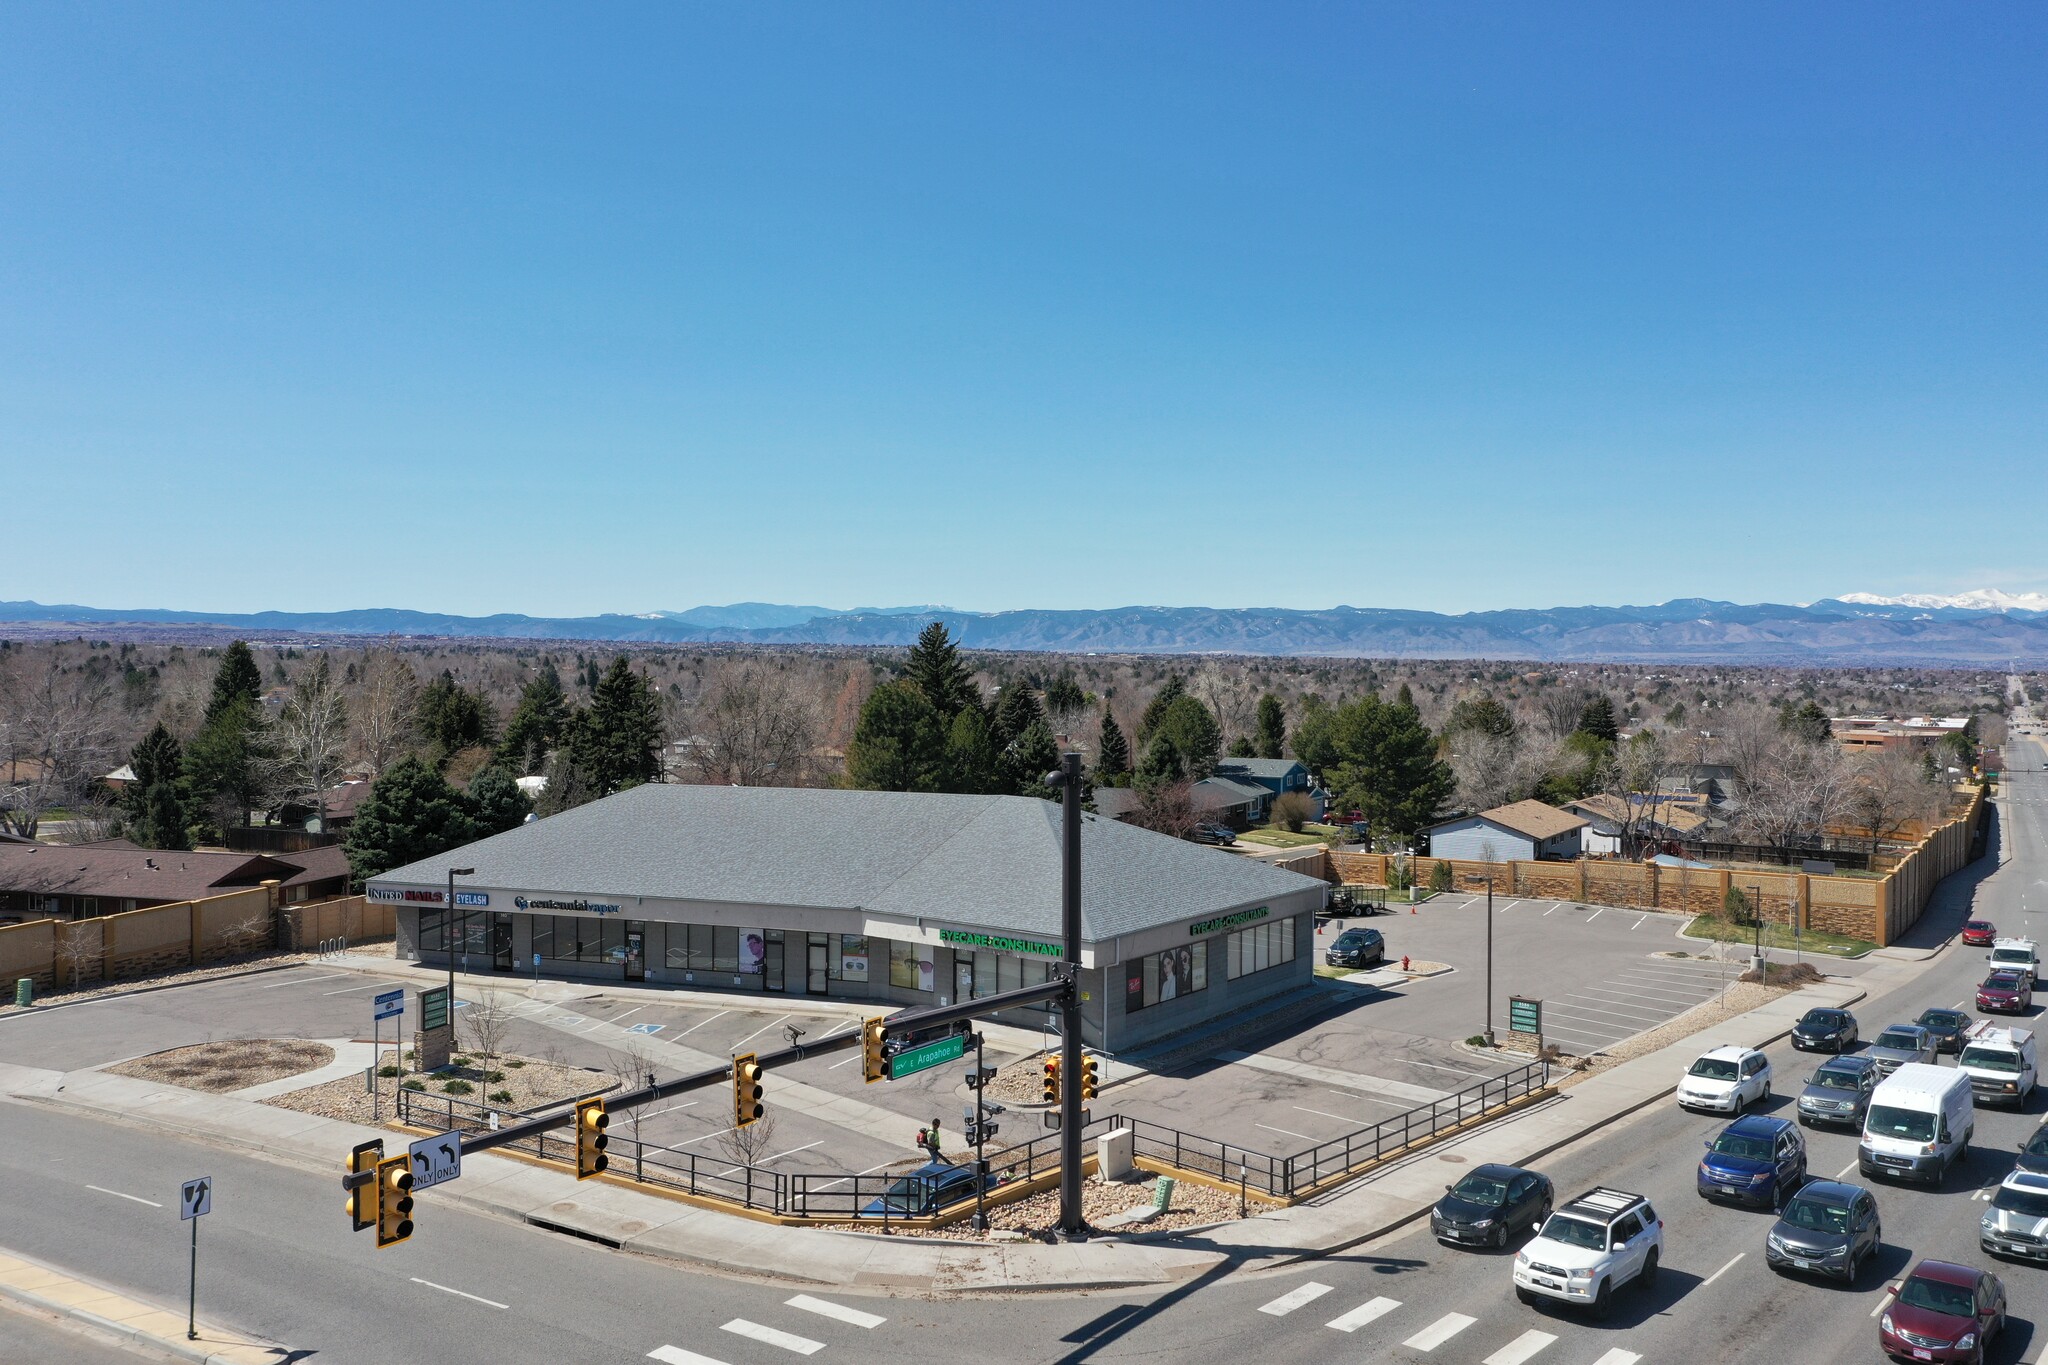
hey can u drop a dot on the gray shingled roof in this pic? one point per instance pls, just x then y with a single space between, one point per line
987 861
1274 768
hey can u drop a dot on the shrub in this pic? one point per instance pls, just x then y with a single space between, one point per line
415 1084
501 1097
387 1070
458 1087
1440 876
458 1061
1735 906
1397 875
1291 810
516 1063
494 1076
1476 1040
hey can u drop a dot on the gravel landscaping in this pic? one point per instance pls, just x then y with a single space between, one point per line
524 1083
220 1067
1193 1206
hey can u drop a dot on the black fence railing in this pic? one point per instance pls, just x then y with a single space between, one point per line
1340 1156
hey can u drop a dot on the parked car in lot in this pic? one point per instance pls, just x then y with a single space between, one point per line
1838 1092
2016 1224
1589 1248
1491 1205
2006 991
1357 948
1726 1079
1824 1030
1828 1228
1942 1312
1900 1044
1755 1160
926 1190
1947 1026
1980 933
2002 1065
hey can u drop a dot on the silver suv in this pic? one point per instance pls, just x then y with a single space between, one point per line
1590 1247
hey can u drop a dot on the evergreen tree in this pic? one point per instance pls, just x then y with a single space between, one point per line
495 802
162 823
973 760
1597 719
1405 698
897 743
155 800
564 786
1387 765
1029 758
1271 729
1162 765
1315 736
1187 725
452 718
224 766
934 668
1242 747
1479 715
617 738
1017 710
411 813
236 681
1173 690
538 723
1808 722
1112 754
1064 695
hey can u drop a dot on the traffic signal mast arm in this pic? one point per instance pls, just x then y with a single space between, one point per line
911 1021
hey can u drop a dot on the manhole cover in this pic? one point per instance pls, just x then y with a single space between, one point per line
1454 1160
564 1207
632 1226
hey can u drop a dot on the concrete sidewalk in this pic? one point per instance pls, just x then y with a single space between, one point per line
123 1318
631 1218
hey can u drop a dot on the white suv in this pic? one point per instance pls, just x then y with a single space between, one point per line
1727 1080
1590 1247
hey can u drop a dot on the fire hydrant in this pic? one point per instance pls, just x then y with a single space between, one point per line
1404 962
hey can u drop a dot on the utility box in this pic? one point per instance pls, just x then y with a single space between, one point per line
1113 1151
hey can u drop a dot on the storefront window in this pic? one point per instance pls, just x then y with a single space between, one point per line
1166 975
1261 946
911 966
853 958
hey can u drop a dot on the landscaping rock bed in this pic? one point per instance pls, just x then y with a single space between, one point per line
231 1065
524 1083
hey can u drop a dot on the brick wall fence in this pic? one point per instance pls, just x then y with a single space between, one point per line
1875 908
183 934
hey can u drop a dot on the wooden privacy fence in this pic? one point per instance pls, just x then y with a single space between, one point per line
1878 909
182 934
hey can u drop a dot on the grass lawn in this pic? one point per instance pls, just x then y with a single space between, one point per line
1323 969
1279 838
1779 936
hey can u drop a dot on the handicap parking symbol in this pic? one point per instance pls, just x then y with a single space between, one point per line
647 1028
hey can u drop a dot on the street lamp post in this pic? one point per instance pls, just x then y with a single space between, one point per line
1756 913
448 921
1488 879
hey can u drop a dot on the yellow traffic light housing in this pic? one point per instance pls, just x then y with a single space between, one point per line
874 1064
394 1200
591 1121
1050 1089
1087 1078
362 1188
746 1090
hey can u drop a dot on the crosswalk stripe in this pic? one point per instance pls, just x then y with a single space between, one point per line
1295 1298
1364 1313
1521 1348
1439 1332
825 1308
1617 1356
788 1341
676 1355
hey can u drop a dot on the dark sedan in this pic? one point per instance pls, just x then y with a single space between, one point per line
1824 1031
1948 1028
1491 1205
2034 1156
1828 1228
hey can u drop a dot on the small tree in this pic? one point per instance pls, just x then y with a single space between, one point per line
1440 876
745 1146
1272 727
1291 810
487 1020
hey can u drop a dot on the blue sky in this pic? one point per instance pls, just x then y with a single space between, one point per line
562 310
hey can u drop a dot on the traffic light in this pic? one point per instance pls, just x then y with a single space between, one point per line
1050 1090
591 1121
746 1090
1087 1078
394 1200
874 1065
362 1184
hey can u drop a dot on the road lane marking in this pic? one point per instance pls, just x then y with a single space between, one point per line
686 1104
1884 1297
1369 1311
1288 1132
1723 1270
303 981
101 1189
1295 1298
788 1341
676 1355
825 1308
1617 1356
702 1022
1439 1332
489 1303
759 1031
1843 1173
1521 1348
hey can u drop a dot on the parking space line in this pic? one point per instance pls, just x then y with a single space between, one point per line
1295 1298
351 990
1509 906
791 1152
1610 995
1619 1014
1286 1132
1555 908
846 1179
1341 1118
1637 925
702 1022
302 981
687 1104
1597 914
759 1031
1633 1019
635 1010
1723 1270
1630 990
1884 1297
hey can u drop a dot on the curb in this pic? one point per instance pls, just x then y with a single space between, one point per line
14 1012
183 1350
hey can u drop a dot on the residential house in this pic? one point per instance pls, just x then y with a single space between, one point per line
1652 820
1523 831
76 881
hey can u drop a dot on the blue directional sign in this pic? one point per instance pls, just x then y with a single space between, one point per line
389 1004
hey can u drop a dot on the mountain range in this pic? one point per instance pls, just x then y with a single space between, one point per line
1976 629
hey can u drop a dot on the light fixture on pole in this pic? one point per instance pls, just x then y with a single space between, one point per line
1488 879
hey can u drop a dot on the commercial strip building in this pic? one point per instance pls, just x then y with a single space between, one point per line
892 897
1856 733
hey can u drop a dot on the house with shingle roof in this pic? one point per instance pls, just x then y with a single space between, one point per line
1521 831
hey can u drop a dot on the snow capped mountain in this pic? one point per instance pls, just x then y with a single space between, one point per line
1980 599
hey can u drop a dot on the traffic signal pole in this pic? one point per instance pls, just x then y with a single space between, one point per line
1071 1223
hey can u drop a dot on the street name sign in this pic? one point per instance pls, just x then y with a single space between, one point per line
912 1060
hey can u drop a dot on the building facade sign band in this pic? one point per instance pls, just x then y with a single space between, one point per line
1203 928
999 942
574 905
417 896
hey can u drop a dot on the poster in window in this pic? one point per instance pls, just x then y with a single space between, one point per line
753 945
927 970
853 958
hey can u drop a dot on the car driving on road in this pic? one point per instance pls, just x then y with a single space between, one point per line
1590 1247
2016 1224
1828 1228
1980 933
1900 1044
1948 1027
1838 1092
1824 1030
1726 1079
1490 1206
1942 1312
2006 991
1755 1160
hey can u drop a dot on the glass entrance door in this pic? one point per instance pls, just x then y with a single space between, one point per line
636 953
816 979
963 977
501 942
772 972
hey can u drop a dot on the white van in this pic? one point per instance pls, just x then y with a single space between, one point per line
2000 1063
2016 952
1920 1122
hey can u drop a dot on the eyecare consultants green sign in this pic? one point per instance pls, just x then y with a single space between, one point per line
999 942
1209 926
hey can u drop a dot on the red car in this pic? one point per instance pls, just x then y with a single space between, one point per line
1942 1312
2007 991
1980 933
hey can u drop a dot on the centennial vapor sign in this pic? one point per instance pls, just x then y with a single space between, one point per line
573 905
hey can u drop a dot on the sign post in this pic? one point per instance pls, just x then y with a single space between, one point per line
436 1040
1526 1016
195 1200
389 1005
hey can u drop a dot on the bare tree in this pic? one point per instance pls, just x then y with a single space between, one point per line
486 1021
252 931
57 738
384 708
1558 710
1230 698
310 741
1488 769
1166 809
756 727
1888 790
78 950
1636 775
745 1146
